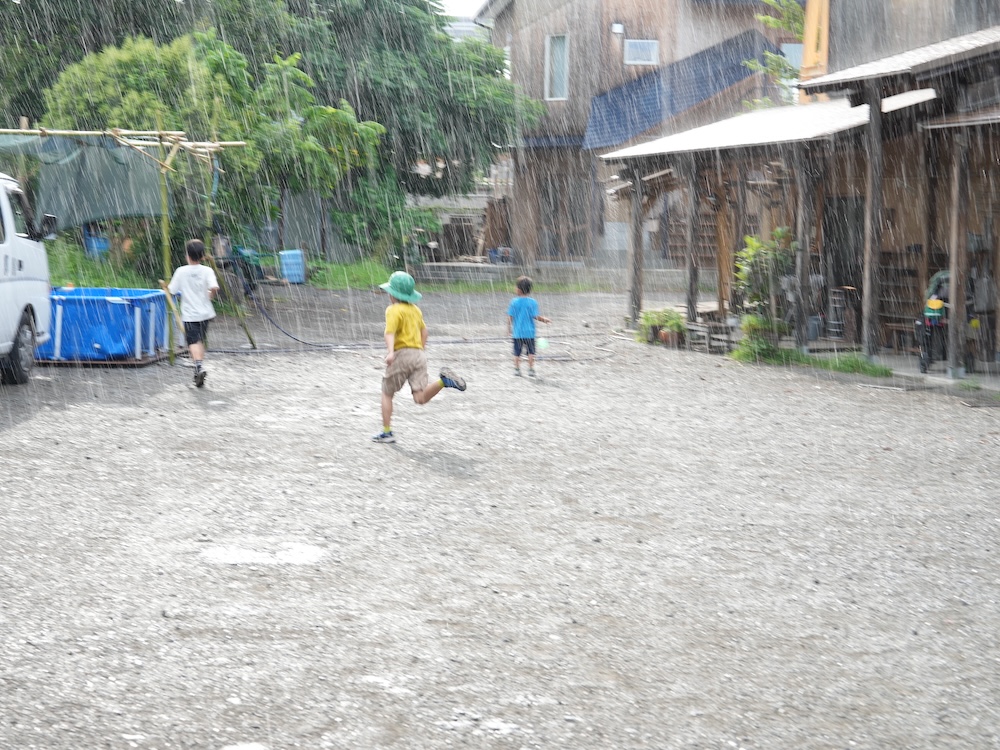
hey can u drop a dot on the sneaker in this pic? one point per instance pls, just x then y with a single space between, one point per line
384 437
199 377
531 372
451 380
517 372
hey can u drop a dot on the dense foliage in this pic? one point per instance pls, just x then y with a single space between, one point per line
441 101
202 86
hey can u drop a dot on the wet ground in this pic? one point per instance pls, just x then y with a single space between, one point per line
643 548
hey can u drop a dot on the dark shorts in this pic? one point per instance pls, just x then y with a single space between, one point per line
526 345
195 332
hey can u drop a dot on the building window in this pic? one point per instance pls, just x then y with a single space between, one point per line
557 67
642 52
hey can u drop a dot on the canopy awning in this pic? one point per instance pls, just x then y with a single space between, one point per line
978 118
768 127
908 68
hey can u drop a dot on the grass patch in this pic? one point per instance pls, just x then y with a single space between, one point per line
851 364
362 274
507 287
970 385
70 265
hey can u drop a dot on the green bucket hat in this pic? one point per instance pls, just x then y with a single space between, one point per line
400 285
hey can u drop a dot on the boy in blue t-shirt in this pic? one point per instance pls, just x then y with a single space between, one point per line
521 316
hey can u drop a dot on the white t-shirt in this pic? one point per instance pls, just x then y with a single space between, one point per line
193 284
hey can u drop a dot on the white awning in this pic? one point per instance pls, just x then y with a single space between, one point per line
798 123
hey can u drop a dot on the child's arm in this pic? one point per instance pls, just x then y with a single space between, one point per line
213 286
172 286
510 325
423 337
543 319
390 346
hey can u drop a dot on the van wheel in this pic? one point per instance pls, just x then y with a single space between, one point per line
21 360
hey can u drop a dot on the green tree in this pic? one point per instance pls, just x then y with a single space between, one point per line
307 146
204 87
788 17
39 38
440 100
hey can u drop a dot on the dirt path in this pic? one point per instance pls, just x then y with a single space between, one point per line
643 549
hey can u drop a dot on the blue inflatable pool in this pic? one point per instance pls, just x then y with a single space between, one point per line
105 324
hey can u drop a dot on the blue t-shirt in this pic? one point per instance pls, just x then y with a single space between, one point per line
523 310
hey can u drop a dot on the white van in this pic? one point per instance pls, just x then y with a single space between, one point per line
25 309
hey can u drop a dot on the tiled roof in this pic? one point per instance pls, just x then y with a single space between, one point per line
640 105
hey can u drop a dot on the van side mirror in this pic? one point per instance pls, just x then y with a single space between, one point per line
49 227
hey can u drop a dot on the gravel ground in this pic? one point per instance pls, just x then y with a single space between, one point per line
642 549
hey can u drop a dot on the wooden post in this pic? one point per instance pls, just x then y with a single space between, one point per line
723 259
996 273
805 188
870 333
958 255
692 239
635 248
928 207
740 229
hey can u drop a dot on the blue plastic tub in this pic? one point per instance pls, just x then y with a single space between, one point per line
105 324
96 245
293 266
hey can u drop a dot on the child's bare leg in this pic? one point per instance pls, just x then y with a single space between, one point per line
386 409
517 363
197 351
422 397
531 361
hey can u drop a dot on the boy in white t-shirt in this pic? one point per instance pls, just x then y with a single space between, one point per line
197 286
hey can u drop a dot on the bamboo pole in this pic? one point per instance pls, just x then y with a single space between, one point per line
165 248
223 284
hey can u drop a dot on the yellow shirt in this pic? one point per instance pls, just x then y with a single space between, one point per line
406 322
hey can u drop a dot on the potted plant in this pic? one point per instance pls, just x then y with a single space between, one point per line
673 327
759 268
649 326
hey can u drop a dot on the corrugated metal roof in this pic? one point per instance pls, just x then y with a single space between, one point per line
777 125
640 105
913 62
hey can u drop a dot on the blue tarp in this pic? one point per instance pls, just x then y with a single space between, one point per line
87 178
640 105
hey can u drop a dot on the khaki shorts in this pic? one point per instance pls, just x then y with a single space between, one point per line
409 365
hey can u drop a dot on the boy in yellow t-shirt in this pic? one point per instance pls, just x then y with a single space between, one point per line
405 339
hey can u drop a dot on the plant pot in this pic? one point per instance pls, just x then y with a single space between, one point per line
654 334
670 338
